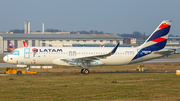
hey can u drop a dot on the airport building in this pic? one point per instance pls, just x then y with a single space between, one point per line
58 40
173 41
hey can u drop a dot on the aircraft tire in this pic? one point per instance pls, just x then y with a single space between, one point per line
86 71
19 72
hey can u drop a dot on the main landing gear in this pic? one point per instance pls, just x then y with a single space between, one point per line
84 69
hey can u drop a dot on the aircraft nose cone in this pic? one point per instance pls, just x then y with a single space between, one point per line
5 58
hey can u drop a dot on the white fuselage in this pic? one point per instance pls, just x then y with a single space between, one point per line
52 55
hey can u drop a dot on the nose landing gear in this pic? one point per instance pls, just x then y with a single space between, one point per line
27 68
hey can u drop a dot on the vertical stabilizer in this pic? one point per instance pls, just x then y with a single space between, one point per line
157 40
25 44
10 44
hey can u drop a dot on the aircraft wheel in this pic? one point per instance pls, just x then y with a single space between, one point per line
19 72
86 71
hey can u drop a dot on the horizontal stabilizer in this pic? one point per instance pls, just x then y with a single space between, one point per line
164 51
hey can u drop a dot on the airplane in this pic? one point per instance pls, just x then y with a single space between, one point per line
25 44
101 45
11 47
85 57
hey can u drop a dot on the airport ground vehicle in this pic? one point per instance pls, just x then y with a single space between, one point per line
10 70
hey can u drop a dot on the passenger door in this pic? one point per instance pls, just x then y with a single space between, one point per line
26 53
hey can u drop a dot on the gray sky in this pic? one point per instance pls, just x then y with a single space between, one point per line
111 16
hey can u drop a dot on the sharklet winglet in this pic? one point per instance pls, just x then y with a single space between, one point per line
114 49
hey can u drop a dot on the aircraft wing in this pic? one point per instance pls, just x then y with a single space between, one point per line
91 58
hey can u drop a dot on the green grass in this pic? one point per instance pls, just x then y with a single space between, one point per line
93 87
90 87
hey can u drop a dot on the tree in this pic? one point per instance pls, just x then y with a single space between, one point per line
137 34
92 32
126 35
52 30
170 35
17 31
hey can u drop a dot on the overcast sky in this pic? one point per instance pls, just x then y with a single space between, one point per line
111 16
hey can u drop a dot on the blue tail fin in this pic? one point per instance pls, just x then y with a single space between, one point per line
157 40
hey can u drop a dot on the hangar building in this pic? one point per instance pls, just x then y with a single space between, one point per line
58 40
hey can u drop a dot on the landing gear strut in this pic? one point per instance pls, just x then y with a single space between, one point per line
27 68
82 70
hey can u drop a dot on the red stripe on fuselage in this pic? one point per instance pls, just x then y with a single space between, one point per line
163 26
159 39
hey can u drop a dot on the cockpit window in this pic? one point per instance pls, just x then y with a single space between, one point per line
15 52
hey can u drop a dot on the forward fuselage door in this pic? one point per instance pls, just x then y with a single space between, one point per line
26 53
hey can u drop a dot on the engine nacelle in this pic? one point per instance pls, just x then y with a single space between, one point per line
58 61
94 63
